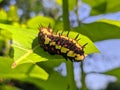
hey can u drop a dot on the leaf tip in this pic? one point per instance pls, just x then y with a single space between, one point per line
13 65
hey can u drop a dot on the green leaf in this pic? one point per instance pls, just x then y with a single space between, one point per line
1 1
59 2
112 22
114 72
22 45
90 48
5 34
103 6
40 20
2 45
3 15
54 76
50 65
33 73
58 25
5 37
100 30
26 46
12 13
8 87
22 71
27 49
54 81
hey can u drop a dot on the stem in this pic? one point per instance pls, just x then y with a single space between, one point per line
70 76
77 14
83 75
76 11
66 15
69 64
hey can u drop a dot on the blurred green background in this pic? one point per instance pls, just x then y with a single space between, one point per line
25 66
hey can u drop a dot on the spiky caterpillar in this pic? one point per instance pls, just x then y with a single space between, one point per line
62 45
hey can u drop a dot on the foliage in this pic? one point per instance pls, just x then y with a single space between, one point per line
109 29
21 57
103 6
22 71
113 86
114 72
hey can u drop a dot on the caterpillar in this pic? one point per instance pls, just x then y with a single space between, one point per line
56 43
